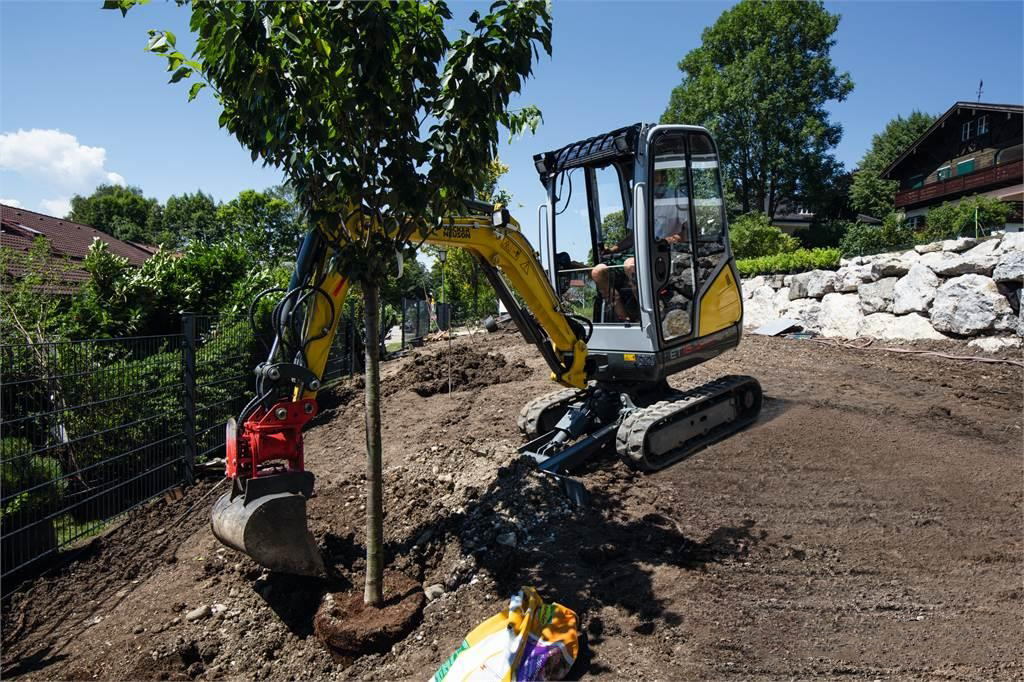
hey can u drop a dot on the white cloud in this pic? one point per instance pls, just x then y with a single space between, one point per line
56 158
13 203
58 207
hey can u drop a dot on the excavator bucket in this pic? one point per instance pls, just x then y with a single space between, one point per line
267 521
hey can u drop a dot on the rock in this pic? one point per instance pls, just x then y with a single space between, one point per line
994 344
898 327
813 284
928 248
807 311
433 591
987 247
1006 323
914 292
751 284
894 265
968 305
1012 241
876 297
760 307
780 301
198 613
507 539
841 315
959 245
1010 267
787 280
849 278
973 262
775 281
218 609
138 630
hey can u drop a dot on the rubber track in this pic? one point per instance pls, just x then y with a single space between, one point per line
530 415
631 436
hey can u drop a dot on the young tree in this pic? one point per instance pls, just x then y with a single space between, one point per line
759 82
379 120
869 193
121 212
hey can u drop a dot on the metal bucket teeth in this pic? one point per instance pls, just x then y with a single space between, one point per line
270 527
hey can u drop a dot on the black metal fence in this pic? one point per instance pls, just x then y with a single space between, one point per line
90 429
415 320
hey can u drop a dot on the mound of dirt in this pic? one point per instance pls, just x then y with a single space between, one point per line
427 375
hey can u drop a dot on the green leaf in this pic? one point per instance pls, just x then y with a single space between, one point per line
194 90
183 72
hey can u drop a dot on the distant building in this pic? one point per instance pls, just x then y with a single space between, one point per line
974 148
69 244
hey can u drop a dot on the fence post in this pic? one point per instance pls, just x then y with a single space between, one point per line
403 325
188 330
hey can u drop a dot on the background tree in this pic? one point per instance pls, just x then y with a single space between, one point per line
266 224
753 235
759 82
191 217
120 211
379 120
869 193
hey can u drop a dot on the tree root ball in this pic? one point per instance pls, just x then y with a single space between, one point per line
350 628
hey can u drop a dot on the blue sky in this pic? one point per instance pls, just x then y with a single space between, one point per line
72 68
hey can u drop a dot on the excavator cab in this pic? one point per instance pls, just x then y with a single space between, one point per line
639 249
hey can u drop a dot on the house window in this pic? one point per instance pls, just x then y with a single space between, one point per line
915 181
967 131
914 222
982 125
943 173
965 167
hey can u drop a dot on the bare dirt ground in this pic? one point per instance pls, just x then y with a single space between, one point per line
868 526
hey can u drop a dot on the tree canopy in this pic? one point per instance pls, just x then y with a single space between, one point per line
759 82
869 193
122 212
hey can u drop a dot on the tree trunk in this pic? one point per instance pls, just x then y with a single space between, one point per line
374 493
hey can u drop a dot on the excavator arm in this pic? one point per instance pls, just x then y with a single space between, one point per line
264 514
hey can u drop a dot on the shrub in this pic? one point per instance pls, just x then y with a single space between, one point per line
892 234
827 234
793 261
753 235
952 220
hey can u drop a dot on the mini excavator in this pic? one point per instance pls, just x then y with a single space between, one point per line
612 321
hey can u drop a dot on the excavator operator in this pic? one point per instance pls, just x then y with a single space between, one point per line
671 217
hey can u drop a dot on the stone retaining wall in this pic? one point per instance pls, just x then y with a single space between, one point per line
962 288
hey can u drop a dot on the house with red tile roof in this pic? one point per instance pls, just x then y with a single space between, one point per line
69 244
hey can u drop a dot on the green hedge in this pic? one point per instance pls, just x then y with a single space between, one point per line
794 261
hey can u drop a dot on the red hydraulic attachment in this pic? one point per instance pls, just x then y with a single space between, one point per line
268 435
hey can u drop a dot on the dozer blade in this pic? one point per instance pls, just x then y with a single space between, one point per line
267 521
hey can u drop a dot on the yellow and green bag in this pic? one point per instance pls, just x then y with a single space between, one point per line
530 640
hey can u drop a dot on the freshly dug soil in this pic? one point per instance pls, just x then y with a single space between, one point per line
427 375
868 525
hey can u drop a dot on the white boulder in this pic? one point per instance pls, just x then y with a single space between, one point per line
928 248
813 284
1012 241
841 315
1010 267
852 276
914 292
807 311
898 327
894 265
959 245
781 301
876 297
968 305
759 309
994 344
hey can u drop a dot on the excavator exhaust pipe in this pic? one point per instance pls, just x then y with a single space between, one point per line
266 519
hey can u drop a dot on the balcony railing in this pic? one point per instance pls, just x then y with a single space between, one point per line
993 175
